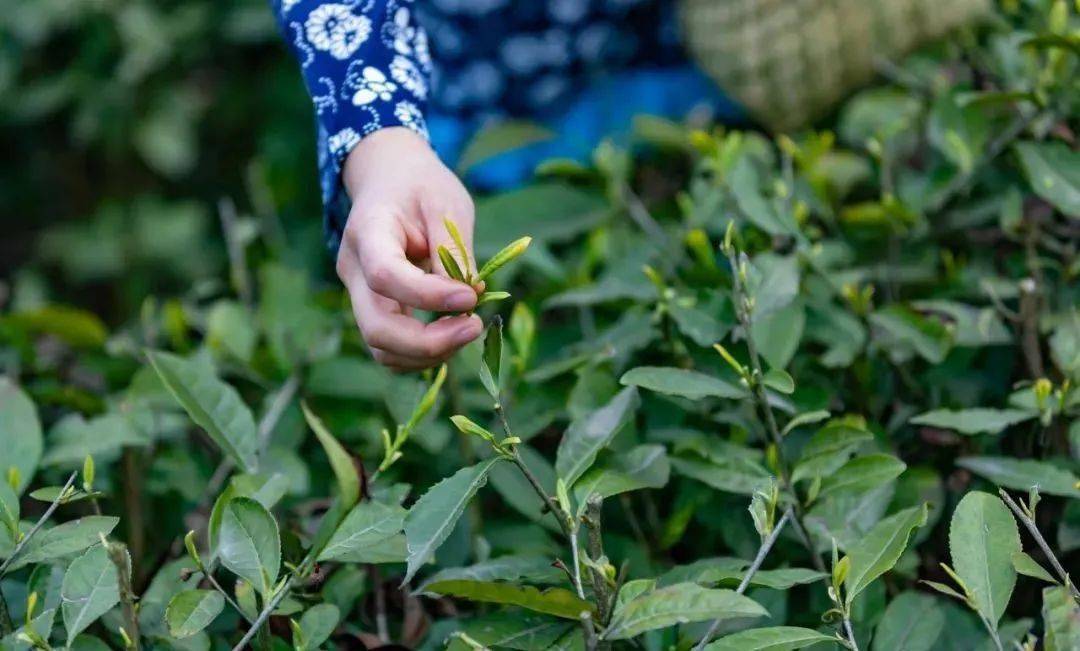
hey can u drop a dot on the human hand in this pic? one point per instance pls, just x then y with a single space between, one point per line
388 260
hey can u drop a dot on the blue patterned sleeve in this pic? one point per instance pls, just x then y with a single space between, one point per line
366 66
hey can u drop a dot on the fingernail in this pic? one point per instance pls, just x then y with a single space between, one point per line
458 301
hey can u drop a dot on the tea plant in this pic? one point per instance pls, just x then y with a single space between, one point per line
753 394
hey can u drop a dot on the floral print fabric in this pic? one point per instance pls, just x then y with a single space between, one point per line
368 64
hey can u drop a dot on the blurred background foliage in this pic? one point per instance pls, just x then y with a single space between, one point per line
129 129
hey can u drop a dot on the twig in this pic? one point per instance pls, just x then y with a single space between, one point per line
575 555
133 506
228 599
265 614
38 525
277 408
1033 529
590 631
763 551
6 625
601 587
758 389
235 249
121 559
854 645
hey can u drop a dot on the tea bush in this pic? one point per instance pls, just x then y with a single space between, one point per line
817 391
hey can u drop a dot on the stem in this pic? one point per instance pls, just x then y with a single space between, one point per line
763 551
850 633
277 408
228 599
601 587
37 525
762 400
120 558
1033 529
590 631
133 503
576 556
264 615
235 249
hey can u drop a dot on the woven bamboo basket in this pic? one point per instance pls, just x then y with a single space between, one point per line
789 61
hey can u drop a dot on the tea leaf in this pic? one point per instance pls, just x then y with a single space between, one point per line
827 450
775 638
913 621
982 540
191 611
491 363
1028 566
20 434
1053 171
645 466
348 481
877 552
250 545
678 604
90 589
509 253
862 473
680 382
369 524
430 521
587 436
1022 474
1062 617
553 601
462 250
212 404
317 623
450 264
64 539
974 421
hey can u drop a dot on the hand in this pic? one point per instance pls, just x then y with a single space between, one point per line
401 193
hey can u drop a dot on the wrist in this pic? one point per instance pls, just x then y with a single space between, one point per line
381 147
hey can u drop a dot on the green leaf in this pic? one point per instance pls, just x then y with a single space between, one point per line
1028 566
877 552
318 623
491 362
731 474
828 449
862 473
1061 615
230 328
433 516
559 602
1053 170
9 508
191 611
64 539
517 630
20 434
249 543
1022 474
982 540
680 382
500 138
513 568
503 257
913 621
974 421
90 589
906 329
645 466
450 264
778 380
369 524
587 436
212 404
807 418
775 638
348 480
678 604
102 437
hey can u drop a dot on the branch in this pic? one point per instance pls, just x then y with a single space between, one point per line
763 551
264 615
37 525
1033 529
121 559
758 390
850 633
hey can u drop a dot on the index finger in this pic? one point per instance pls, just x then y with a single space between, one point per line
389 273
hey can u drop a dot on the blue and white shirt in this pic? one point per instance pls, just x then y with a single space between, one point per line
369 64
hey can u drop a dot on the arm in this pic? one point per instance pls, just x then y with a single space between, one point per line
366 69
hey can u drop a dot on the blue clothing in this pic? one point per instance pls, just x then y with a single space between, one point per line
582 67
